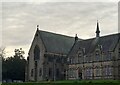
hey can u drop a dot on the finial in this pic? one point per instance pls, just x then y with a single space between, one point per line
37 27
76 37
97 30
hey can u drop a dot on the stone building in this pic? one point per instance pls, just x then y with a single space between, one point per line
95 58
47 56
58 57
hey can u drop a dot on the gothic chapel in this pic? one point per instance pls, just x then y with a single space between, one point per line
59 57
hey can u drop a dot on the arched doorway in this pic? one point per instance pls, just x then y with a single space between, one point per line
79 73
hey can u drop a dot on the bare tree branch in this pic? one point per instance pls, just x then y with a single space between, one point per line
2 52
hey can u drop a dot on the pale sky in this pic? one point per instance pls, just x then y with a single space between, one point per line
19 20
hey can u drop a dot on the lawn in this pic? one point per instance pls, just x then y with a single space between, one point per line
70 82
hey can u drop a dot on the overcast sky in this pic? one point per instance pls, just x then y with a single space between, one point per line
19 20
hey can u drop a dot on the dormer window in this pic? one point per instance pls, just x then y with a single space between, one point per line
97 56
109 57
80 54
80 57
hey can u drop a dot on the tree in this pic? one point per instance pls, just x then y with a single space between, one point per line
2 54
19 53
14 67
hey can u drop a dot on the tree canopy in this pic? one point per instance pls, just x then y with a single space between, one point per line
14 67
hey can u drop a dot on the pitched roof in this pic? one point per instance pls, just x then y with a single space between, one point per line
56 43
108 43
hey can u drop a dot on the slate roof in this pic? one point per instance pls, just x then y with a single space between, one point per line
56 43
108 43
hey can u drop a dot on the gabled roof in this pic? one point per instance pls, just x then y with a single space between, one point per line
108 43
56 43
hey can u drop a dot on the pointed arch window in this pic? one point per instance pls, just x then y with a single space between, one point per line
36 53
31 72
97 56
108 70
109 56
79 57
40 71
50 72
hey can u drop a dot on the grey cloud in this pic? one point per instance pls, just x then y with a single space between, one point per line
34 1
20 20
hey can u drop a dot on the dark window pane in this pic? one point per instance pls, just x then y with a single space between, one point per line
40 72
36 53
31 72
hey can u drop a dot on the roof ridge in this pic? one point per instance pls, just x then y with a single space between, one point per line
110 35
101 36
57 34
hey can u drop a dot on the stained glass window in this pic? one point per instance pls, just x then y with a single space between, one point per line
36 53
40 72
31 72
50 72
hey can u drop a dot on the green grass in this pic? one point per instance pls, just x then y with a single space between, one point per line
70 82
88 81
